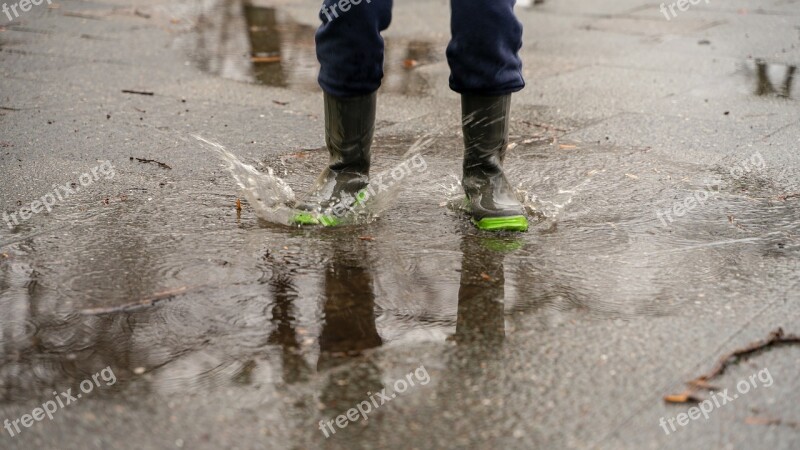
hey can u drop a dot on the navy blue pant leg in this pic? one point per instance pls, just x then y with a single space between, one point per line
350 46
484 49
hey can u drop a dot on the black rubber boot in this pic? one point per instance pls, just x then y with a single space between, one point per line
491 200
349 126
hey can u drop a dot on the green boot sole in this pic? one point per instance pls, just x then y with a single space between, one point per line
306 218
510 223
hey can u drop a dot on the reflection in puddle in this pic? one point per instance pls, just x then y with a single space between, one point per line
481 293
770 79
305 318
263 45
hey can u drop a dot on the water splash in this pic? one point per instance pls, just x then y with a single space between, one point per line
273 200
270 196
537 206
385 186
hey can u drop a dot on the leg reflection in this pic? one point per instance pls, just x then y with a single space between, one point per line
283 317
349 329
349 309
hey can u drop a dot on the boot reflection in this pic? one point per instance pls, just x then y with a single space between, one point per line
349 310
348 329
481 293
475 370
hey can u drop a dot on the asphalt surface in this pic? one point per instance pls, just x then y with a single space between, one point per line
224 331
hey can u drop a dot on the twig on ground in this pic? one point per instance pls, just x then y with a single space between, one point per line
129 91
776 338
153 161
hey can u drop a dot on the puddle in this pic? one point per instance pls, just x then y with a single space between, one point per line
183 299
264 45
773 80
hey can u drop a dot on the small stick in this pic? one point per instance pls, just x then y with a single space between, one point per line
143 160
129 91
776 338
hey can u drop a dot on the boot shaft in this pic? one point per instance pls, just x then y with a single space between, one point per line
485 128
349 127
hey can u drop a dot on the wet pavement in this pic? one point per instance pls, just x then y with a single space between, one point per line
657 161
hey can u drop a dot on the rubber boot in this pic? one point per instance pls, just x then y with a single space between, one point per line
349 126
491 200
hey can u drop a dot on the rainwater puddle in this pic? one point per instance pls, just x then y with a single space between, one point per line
264 45
770 79
183 298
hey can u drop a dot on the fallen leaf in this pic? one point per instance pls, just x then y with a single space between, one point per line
567 147
486 276
238 205
410 63
265 59
366 238
686 397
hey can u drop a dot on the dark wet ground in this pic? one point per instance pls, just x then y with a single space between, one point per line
224 330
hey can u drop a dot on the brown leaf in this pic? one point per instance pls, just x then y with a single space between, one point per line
685 397
265 59
486 276
366 238
410 63
238 205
